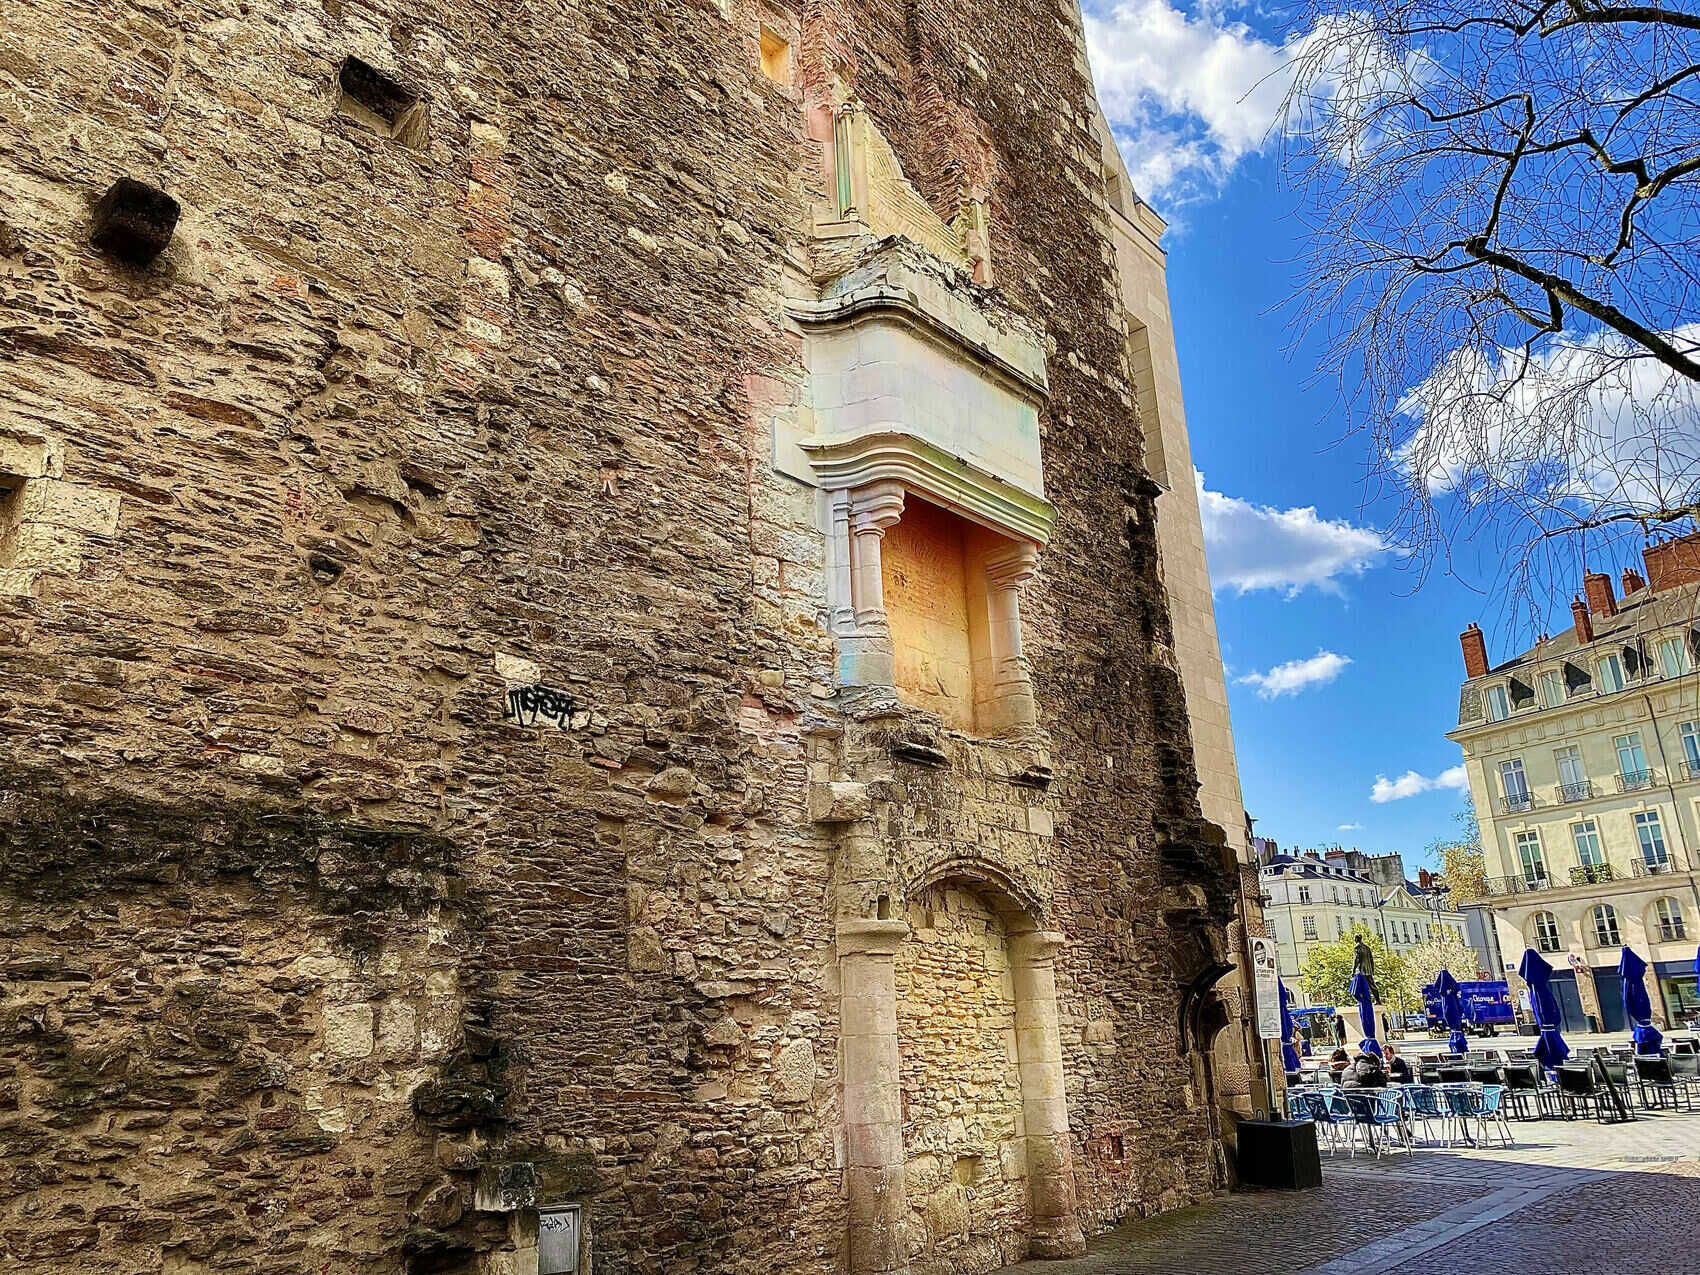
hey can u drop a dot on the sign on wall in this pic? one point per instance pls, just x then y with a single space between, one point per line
557 1240
1266 989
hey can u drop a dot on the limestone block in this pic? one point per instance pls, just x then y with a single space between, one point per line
674 783
76 506
503 1188
398 1029
1012 1158
1040 822
517 671
348 1030
947 1210
644 951
25 457
839 802
45 547
794 1072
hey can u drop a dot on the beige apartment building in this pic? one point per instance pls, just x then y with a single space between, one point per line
1315 899
1583 758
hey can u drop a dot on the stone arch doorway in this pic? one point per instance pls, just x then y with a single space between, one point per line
955 1115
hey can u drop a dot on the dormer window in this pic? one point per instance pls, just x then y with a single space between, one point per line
1673 658
1552 688
1610 674
1498 704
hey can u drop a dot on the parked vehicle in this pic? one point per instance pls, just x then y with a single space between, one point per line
1487 1006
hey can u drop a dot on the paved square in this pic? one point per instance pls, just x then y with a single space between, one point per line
1570 1196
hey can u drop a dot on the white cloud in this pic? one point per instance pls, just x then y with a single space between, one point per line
1587 419
1411 784
1349 827
1189 95
1256 547
1296 675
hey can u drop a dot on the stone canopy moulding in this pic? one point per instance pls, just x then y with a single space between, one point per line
920 427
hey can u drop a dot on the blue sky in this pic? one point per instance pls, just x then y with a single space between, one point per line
1343 664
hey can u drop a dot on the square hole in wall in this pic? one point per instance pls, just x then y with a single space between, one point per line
775 56
381 102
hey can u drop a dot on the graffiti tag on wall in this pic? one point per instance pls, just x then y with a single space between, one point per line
529 705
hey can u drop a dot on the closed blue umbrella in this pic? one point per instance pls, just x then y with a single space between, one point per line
1289 1055
1452 1010
1364 995
1637 1008
1550 1049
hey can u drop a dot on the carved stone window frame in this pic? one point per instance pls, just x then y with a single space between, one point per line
867 477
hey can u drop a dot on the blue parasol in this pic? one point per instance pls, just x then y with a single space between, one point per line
1637 1008
1452 1010
1550 1049
1289 1055
1361 992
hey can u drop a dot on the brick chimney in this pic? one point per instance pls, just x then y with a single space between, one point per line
1475 651
1632 582
1672 562
1601 600
1584 626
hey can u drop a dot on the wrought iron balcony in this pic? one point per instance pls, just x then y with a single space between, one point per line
1634 780
1516 803
1575 792
1689 770
1527 883
1641 866
1592 874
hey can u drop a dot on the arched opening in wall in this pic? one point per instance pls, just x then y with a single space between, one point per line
964 1137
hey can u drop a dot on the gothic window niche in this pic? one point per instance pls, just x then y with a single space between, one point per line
920 427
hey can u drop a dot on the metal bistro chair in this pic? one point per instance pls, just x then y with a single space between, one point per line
1622 1074
1666 1087
1454 1073
1579 1093
1379 1114
1428 1073
1523 1087
1487 1074
1483 1106
1332 1118
1428 1107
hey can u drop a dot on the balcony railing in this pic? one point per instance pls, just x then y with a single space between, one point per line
1516 803
1525 884
1689 770
1634 780
1574 792
1641 866
1592 874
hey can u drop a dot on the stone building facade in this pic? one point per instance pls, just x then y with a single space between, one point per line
583 629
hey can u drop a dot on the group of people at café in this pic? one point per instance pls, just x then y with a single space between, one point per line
1366 1070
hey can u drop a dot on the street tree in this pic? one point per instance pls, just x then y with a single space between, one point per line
1503 264
1445 951
1326 974
1462 864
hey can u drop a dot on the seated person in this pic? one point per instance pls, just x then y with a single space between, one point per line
1398 1070
1366 1071
1338 1061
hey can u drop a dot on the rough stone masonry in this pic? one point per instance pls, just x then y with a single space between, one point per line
457 757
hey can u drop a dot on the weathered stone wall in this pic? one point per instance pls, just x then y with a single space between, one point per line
311 958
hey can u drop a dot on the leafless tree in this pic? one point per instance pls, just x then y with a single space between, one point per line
1504 242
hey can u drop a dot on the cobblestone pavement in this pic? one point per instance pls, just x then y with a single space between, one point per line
1568 1197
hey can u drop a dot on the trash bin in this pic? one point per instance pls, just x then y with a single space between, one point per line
1279 1153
